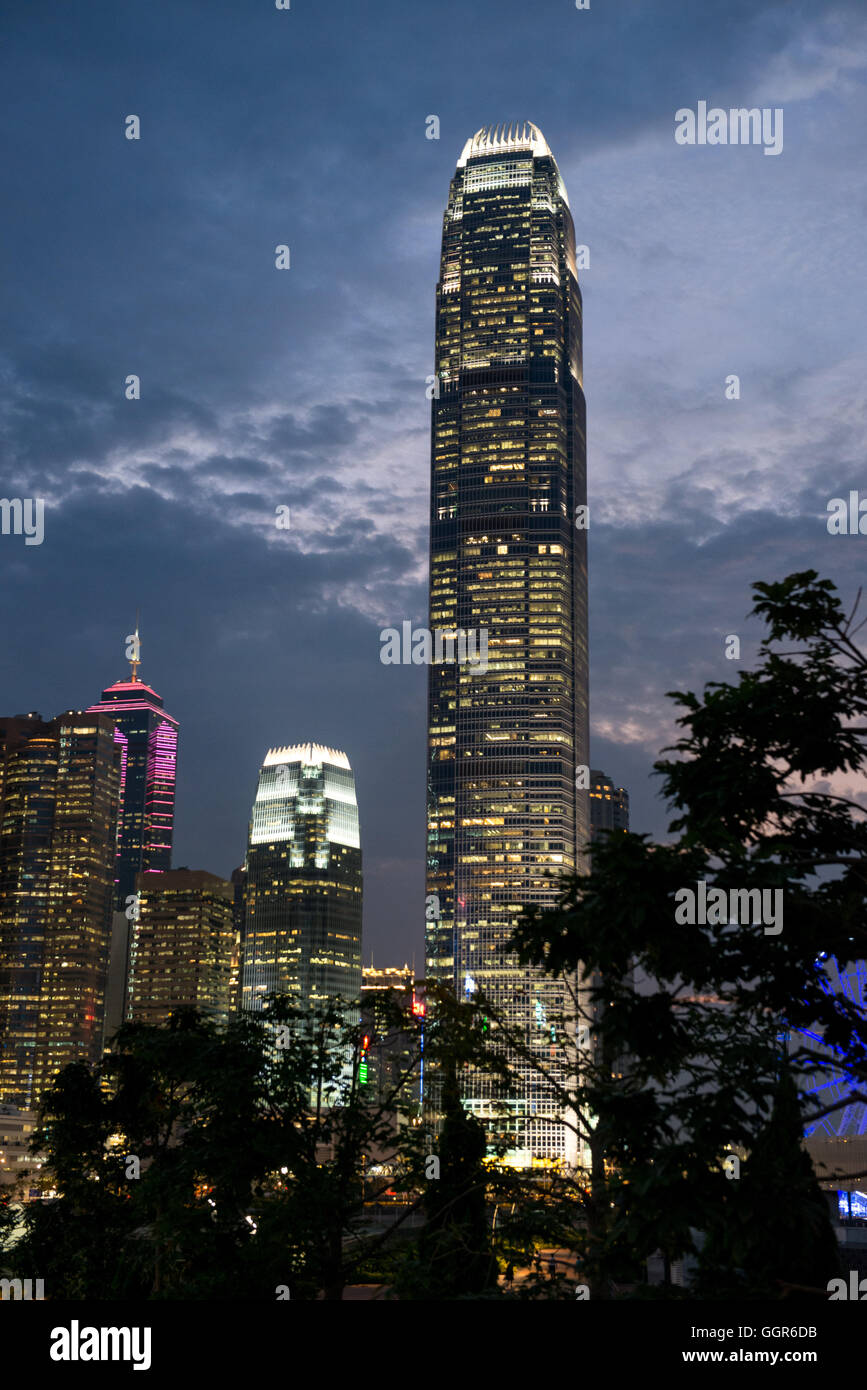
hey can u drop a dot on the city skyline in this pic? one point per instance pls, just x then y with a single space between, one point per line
435 434
306 388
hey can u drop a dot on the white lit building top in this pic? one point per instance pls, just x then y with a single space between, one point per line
504 139
517 138
305 780
310 754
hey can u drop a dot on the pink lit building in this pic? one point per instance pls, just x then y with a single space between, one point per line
148 737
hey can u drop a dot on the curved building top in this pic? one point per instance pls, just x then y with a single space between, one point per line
310 754
286 794
516 138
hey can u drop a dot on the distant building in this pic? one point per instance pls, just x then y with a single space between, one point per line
182 946
16 1127
396 977
117 986
239 892
59 792
390 1063
609 805
148 739
236 975
302 924
394 983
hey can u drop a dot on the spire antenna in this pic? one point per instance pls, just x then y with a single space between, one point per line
135 661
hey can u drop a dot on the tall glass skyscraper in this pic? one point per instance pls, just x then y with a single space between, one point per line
303 880
508 554
59 788
148 738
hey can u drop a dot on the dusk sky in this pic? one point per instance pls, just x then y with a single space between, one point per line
305 387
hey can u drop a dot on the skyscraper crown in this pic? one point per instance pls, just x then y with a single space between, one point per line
504 139
308 753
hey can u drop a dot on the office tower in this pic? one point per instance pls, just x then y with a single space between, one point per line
182 945
148 738
609 805
381 980
302 933
28 774
507 555
59 790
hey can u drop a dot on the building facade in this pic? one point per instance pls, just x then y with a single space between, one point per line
303 890
390 1063
148 739
16 1129
239 891
609 805
182 948
59 794
508 556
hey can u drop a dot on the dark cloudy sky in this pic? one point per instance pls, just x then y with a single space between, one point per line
306 387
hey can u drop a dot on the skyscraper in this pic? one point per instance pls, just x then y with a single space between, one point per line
302 933
508 554
59 789
182 946
148 738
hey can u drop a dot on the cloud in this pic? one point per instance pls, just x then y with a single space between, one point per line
306 388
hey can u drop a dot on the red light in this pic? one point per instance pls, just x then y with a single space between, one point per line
418 1008
365 1043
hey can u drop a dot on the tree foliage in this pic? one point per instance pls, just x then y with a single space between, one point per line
697 1030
